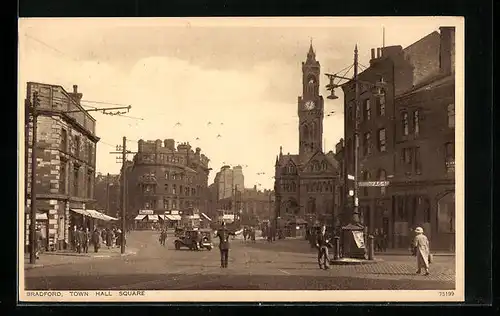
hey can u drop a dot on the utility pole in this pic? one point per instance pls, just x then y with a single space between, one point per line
355 215
124 195
33 239
122 150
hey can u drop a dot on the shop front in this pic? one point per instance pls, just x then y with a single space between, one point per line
146 220
172 219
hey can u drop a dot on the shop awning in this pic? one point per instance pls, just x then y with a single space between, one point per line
161 216
206 217
139 217
81 211
41 216
173 217
153 217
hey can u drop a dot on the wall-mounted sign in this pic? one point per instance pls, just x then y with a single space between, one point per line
146 212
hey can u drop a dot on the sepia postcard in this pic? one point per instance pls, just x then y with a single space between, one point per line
241 159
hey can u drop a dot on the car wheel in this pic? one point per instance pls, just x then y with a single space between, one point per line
177 246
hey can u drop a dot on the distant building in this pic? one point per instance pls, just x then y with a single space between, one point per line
164 178
66 147
229 180
306 183
407 135
107 194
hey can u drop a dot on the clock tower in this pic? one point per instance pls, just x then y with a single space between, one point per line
310 107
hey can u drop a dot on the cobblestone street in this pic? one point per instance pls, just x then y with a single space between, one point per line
251 266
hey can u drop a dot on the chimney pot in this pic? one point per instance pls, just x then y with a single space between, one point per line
373 53
75 88
379 52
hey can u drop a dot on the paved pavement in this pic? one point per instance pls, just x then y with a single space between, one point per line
282 265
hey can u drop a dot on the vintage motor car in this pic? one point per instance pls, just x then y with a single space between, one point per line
195 239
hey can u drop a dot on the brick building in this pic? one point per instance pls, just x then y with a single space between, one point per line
306 183
107 194
66 147
407 138
163 178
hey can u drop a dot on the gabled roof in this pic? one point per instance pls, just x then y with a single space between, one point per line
284 159
329 158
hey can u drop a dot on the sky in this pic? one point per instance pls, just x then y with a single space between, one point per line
241 75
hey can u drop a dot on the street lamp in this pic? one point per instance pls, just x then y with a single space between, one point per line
355 228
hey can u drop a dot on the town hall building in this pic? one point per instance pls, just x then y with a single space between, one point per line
306 184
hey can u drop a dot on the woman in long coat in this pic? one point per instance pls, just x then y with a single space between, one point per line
421 248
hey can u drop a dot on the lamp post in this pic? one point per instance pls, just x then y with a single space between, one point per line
355 228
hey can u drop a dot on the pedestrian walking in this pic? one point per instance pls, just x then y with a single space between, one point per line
109 238
223 235
322 243
79 239
86 240
376 240
252 234
96 240
421 251
74 238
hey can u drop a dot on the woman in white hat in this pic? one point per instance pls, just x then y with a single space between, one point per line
421 246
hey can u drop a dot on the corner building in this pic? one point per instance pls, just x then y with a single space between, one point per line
165 178
407 137
306 183
65 170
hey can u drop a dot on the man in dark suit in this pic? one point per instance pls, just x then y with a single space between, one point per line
223 235
322 243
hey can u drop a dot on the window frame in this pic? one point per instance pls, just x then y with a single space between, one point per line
405 124
382 144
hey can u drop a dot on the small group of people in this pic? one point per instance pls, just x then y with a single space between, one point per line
249 233
82 238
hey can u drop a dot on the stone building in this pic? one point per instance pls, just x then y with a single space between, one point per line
306 183
406 138
65 171
163 178
228 181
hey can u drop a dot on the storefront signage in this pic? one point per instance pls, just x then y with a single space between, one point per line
146 212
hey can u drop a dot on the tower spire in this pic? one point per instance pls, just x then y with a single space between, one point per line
311 55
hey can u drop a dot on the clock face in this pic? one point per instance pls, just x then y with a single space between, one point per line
309 105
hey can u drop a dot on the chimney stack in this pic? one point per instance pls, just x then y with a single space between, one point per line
75 89
75 95
373 53
447 50
379 52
